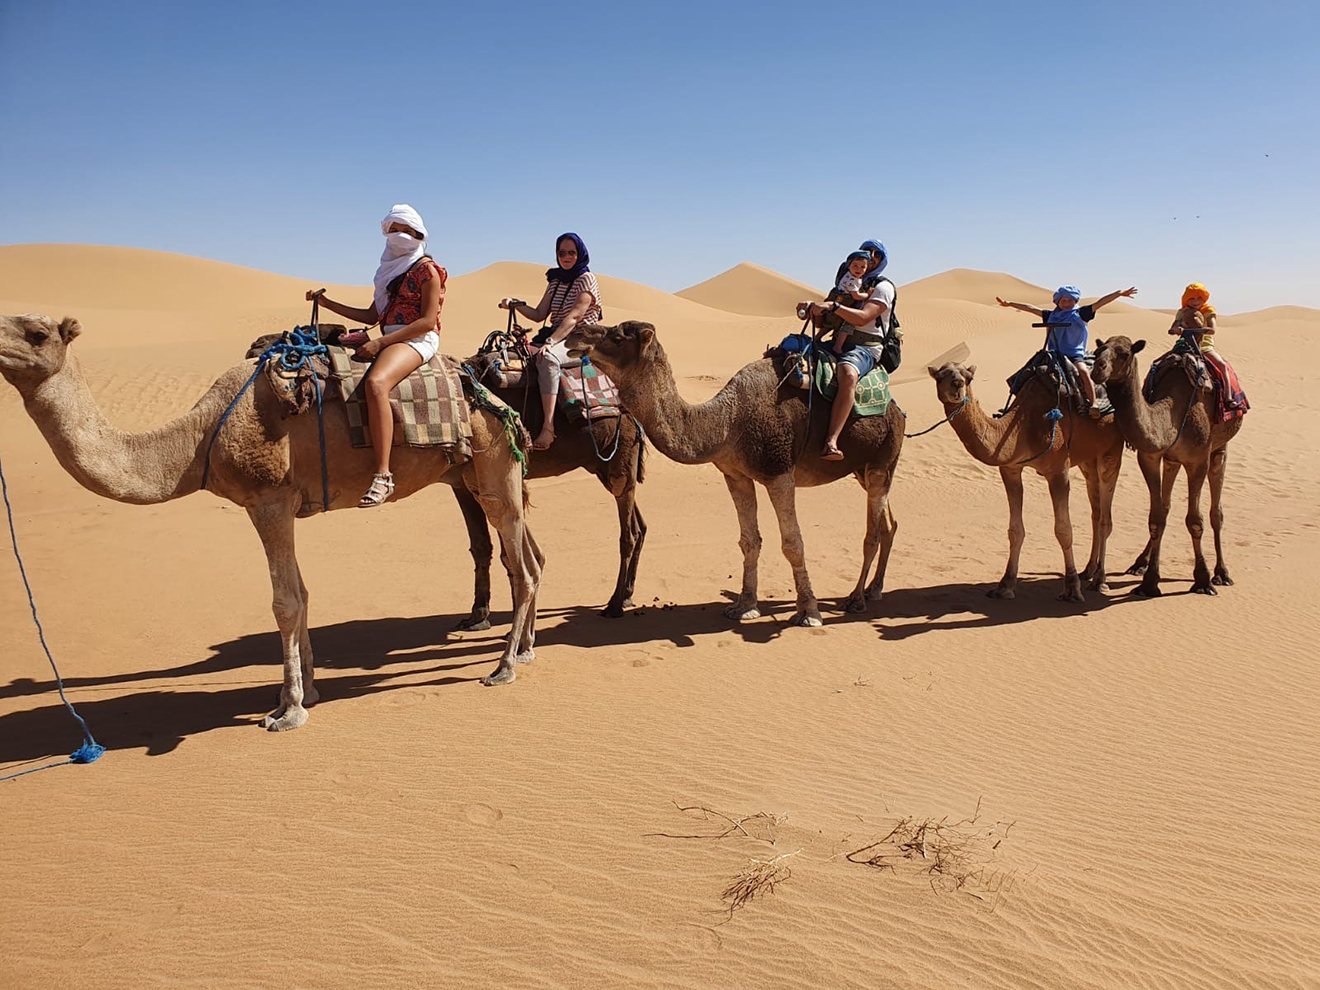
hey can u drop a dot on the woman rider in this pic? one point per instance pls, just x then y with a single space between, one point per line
409 291
572 298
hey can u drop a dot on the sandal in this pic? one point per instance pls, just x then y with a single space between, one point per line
832 452
382 487
538 444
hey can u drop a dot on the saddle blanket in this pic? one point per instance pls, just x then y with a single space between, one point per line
585 394
1230 399
1044 359
872 397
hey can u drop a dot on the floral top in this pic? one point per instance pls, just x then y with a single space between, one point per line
407 304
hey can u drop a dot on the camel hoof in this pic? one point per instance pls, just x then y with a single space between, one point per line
1136 569
1072 596
290 718
1221 579
474 623
310 697
1203 589
1144 590
502 675
1097 584
742 613
809 619
612 611
856 603
874 594
628 603
526 656
1005 594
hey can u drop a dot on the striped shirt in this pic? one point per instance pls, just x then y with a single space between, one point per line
564 297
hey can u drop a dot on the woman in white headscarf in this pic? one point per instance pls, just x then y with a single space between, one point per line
409 291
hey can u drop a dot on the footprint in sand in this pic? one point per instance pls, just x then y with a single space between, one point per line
482 814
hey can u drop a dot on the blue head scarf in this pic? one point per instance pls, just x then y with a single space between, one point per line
1071 291
559 274
884 255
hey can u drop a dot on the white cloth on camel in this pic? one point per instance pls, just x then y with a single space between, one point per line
401 251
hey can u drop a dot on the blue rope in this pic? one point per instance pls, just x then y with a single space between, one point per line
293 352
90 750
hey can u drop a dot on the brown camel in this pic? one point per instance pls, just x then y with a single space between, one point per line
1022 438
1178 429
618 464
756 430
268 464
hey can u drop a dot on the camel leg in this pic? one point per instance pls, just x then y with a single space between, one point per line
626 504
480 547
639 537
877 585
1218 467
535 561
1091 475
1163 485
749 541
515 555
274 524
1161 497
877 528
1196 527
1017 532
783 496
310 694
1108 469
1072 582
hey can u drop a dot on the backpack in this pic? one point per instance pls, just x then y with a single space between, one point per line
891 352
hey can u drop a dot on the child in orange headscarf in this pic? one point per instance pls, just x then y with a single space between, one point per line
1198 316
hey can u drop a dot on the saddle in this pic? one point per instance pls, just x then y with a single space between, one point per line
585 394
1230 399
794 355
430 406
1060 376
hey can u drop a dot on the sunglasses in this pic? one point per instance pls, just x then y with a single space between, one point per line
570 253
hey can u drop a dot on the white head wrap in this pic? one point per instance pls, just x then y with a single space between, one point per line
401 251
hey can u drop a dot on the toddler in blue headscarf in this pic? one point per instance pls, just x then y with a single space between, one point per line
1067 332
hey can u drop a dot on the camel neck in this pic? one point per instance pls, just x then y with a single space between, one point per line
681 431
1149 427
991 441
142 468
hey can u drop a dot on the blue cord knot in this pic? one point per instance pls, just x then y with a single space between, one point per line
1054 415
88 752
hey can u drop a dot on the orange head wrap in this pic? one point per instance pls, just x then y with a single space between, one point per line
1195 289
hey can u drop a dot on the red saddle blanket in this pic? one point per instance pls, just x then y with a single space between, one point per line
1230 398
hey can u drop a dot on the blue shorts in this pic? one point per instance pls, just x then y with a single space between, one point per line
860 358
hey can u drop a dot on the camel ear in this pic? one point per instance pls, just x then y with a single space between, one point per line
646 336
69 329
934 372
970 372
1138 346
1099 343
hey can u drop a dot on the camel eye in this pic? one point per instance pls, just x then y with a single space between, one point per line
37 337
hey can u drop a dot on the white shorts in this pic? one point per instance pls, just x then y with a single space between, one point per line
426 345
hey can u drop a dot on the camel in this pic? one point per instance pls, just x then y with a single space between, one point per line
1178 429
1019 439
575 447
268 464
755 430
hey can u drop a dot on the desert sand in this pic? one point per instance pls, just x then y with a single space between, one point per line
1144 769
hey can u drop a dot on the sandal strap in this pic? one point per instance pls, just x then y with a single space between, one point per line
382 487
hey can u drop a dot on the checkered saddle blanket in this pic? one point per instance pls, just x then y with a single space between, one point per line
429 406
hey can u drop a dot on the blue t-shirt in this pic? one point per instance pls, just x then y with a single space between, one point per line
1067 333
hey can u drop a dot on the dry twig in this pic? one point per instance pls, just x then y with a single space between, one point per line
759 877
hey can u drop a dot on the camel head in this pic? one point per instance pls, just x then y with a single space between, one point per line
615 348
1113 359
953 381
32 348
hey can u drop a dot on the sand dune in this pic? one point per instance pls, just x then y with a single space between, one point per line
1152 757
751 290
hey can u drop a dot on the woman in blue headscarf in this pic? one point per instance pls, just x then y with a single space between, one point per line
572 298
1067 331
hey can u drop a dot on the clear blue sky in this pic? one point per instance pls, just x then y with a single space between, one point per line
680 138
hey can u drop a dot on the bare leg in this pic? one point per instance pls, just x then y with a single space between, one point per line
743 492
846 377
392 365
274 524
1161 494
1072 583
480 546
1218 467
1196 527
1017 532
783 496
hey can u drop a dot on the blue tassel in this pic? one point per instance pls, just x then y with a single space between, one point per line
88 752
1054 415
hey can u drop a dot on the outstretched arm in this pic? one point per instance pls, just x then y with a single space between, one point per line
369 316
1106 300
1033 310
